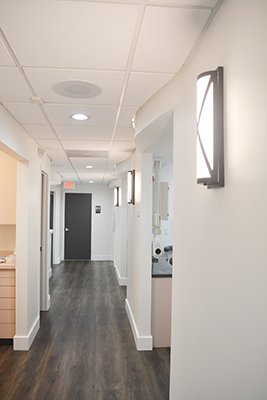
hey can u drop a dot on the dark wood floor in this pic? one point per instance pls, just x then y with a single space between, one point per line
84 349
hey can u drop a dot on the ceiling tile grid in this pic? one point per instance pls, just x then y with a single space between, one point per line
129 49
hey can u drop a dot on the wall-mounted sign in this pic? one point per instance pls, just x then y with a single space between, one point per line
69 185
98 209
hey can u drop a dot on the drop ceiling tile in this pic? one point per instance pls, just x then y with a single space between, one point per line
67 132
60 114
204 3
123 146
5 57
85 145
12 86
110 82
38 131
77 34
124 134
49 144
167 37
142 85
59 158
126 115
26 113
80 163
116 157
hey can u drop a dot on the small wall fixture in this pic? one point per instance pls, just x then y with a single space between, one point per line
131 187
116 196
210 151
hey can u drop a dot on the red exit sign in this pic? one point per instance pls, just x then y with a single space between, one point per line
69 185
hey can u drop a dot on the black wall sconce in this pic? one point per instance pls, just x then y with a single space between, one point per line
210 149
131 187
116 196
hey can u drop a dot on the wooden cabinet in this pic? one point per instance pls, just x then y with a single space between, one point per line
7 303
161 311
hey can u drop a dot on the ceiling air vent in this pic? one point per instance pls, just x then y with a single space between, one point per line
86 154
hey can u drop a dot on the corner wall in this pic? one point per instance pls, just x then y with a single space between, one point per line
138 302
15 141
219 323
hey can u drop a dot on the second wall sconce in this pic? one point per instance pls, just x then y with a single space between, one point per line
116 191
131 187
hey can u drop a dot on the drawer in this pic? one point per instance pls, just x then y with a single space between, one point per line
7 291
7 281
7 331
7 273
7 303
7 316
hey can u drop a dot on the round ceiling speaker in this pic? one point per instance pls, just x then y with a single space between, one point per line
76 89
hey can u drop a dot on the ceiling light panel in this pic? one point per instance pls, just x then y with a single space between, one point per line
170 28
43 80
13 86
104 32
79 163
60 114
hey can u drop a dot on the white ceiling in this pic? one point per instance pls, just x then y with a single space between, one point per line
130 49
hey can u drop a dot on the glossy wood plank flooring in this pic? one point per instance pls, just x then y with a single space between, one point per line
84 349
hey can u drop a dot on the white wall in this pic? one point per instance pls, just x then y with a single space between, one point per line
18 144
219 323
138 302
102 238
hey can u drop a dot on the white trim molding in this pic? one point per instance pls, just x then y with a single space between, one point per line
96 257
23 343
143 343
121 279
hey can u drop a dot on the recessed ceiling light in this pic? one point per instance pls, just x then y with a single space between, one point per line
79 117
89 166
91 181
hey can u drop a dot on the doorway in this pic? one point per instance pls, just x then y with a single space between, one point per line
78 211
44 274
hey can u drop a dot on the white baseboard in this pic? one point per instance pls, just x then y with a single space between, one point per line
143 343
23 343
122 280
97 257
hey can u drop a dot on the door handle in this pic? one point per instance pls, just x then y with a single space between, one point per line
66 229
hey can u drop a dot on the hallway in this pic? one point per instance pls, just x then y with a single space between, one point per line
85 349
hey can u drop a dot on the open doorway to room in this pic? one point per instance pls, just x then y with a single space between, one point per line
8 181
44 272
162 242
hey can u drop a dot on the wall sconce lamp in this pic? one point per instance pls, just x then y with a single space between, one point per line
116 191
210 151
131 187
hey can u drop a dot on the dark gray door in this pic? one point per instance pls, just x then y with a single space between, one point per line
78 225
